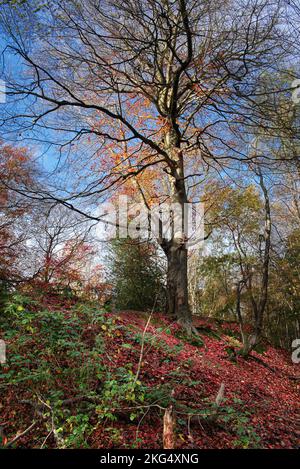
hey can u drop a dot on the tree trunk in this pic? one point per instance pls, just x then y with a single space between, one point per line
175 248
177 283
258 307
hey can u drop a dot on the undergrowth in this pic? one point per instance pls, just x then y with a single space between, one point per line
73 368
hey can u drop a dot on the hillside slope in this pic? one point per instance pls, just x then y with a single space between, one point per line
88 378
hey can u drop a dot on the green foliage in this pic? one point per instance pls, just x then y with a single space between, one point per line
232 417
157 342
160 394
192 340
120 388
281 325
4 291
137 275
51 360
47 349
238 420
217 298
42 342
78 427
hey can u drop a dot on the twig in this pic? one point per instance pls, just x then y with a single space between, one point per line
143 341
17 437
142 349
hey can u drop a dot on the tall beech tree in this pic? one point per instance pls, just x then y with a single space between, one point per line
165 86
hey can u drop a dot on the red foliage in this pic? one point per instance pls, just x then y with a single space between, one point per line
194 375
15 169
270 397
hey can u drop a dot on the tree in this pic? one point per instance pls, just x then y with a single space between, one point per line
258 304
58 240
235 273
16 169
137 275
282 319
162 85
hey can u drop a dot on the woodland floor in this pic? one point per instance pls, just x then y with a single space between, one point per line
109 406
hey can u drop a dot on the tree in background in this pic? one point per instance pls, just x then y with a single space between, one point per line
58 239
137 275
16 170
41 244
282 318
235 274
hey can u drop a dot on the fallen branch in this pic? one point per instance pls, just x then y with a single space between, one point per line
220 395
213 414
169 429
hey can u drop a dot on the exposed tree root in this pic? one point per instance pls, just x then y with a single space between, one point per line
188 327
